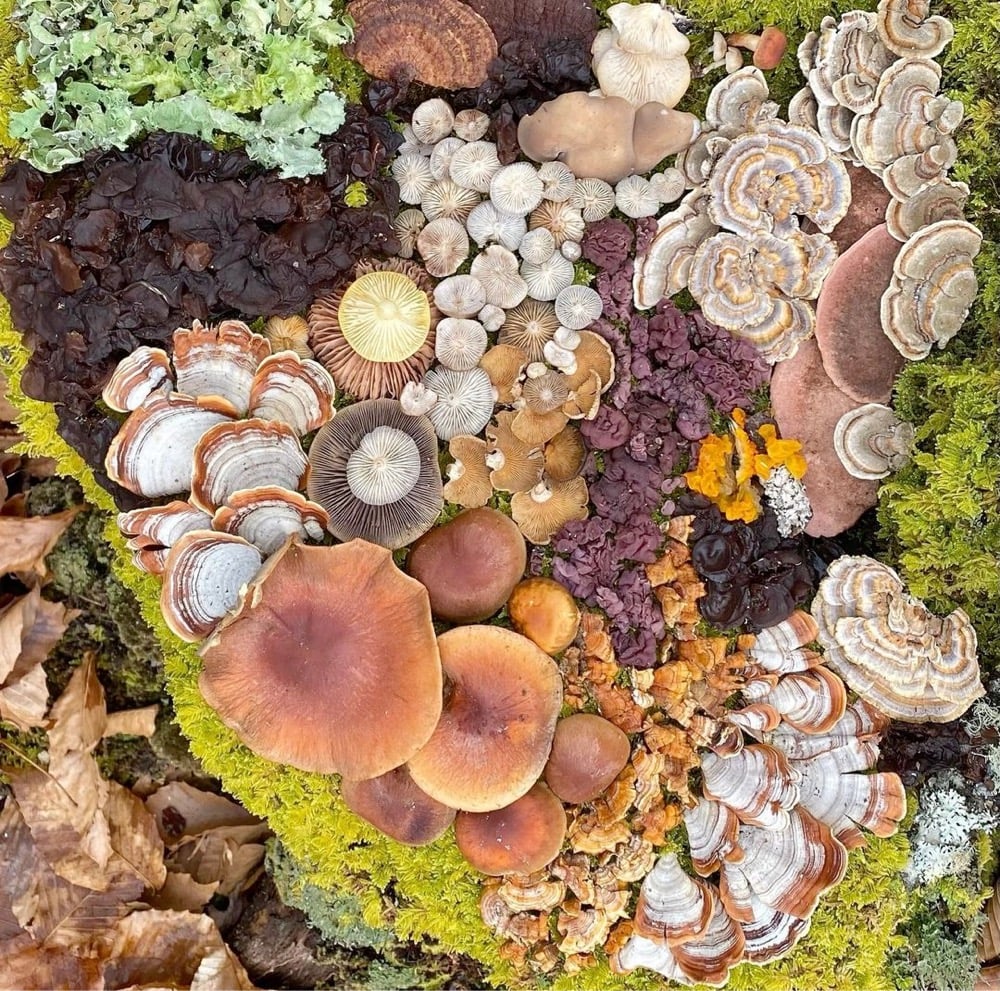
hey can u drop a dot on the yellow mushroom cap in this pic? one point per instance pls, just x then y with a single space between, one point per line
384 316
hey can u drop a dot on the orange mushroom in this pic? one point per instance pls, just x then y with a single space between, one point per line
545 612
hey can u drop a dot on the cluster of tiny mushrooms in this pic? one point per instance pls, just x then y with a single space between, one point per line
498 364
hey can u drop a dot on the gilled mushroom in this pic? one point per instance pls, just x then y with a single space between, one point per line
548 507
468 475
355 689
502 699
545 612
374 469
394 805
588 753
521 838
469 565
504 364
515 466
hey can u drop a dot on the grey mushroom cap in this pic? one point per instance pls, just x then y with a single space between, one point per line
374 469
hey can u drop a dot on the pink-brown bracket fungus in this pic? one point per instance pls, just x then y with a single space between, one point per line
628 139
890 648
136 377
502 696
642 56
320 697
374 469
151 532
933 285
872 442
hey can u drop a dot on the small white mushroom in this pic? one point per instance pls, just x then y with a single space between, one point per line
566 338
407 226
560 357
571 250
635 197
432 120
537 246
413 174
492 317
416 399
516 188
440 160
497 270
558 182
443 245
547 280
486 223
668 185
594 198
459 344
460 296
447 199
471 125
474 166
578 307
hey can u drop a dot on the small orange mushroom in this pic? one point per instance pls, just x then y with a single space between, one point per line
545 612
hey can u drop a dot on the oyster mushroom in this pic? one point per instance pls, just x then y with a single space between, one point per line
323 700
374 470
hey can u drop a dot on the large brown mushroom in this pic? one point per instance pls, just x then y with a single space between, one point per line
501 701
330 663
588 753
469 565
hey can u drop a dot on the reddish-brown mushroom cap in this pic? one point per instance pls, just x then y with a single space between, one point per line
545 612
395 805
501 700
523 837
469 565
330 664
588 753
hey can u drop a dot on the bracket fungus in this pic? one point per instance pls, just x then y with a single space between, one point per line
321 698
136 377
374 469
872 442
269 515
890 648
151 532
502 696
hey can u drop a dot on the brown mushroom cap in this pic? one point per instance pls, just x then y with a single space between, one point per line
395 805
523 837
545 612
330 663
588 753
502 699
469 565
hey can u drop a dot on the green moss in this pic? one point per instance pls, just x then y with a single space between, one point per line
349 79
356 194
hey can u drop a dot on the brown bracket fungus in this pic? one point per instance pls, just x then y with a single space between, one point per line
502 696
521 838
269 515
604 137
287 389
469 565
872 442
330 663
545 612
890 648
588 753
151 532
394 805
375 471
442 43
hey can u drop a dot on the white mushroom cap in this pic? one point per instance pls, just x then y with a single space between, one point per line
474 166
413 174
416 399
384 467
537 245
465 401
578 307
594 198
443 245
559 356
407 226
432 120
441 156
547 280
492 317
497 270
668 185
571 250
460 344
486 223
446 198
517 188
558 182
635 197
471 125
460 296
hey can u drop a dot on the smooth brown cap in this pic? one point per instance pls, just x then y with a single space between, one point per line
395 805
330 663
469 565
523 837
588 753
770 49
502 697
545 612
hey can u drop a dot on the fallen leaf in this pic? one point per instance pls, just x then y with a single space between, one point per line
78 717
988 947
24 542
8 411
134 837
183 810
133 722
73 916
16 870
29 967
230 855
183 893
989 979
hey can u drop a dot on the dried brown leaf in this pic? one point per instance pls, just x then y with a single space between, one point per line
8 411
989 979
50 622
182 810
23 700
79 716
17 871
69 915
24 542
182 893
172 949
988 947
134 837
29 967
231 855
134 722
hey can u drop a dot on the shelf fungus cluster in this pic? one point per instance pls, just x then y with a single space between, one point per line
890 649
736 240
222 422
786 792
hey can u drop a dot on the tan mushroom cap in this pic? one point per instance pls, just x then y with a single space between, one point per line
543 511
504 364
529 327
355 689
288 334
469 565
202 578
502 699
545 612
515 465
537 429
588 753
394 805
584 402
442 43
593 354
136 377
468 482
565 454
521 838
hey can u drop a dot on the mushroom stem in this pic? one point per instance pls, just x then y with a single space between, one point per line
768 47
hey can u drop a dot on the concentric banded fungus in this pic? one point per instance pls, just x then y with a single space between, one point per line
269 515
246 454
933 201
872 442
906 28
757 784
151 532
673 907
464 403
375 471
290 390
933 285
521 838
588 753
502 698
394 805
469 565
383 337
890 649
153 453
202 580
218 361
136 377
439 42
322 699
547 614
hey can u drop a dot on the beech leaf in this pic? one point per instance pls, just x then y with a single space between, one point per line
134 837
134 722
25 541
989 939
79 716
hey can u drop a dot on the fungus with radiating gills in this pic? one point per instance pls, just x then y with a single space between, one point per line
468 475
374 469
321 697
588 753
501 700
